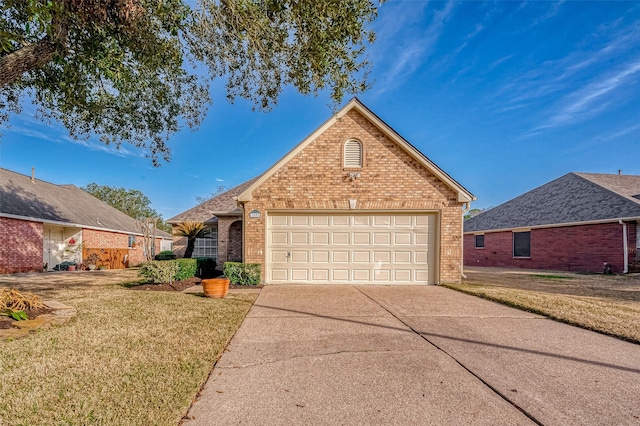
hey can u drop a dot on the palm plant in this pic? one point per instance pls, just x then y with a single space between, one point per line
191 230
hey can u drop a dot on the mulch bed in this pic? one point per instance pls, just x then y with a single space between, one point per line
6 322
183 285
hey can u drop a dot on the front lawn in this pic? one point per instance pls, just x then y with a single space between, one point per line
607 304
128 357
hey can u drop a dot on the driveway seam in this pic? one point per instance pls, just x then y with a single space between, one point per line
495 390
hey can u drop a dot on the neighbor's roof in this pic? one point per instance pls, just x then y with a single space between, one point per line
570 199
463 194
221 205
65 205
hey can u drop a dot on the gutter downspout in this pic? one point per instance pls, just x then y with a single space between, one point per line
465 210
625 246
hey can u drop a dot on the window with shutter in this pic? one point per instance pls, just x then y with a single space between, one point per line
352 154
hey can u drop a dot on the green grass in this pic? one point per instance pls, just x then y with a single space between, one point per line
127 358
603 313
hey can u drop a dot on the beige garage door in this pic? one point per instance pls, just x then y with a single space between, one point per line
358 249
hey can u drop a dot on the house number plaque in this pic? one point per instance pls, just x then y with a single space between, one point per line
254 213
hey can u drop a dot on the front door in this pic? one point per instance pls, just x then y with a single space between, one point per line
53 247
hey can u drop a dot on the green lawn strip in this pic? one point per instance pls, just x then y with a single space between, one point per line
591 313
128 357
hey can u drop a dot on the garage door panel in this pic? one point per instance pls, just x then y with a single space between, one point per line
362 275
382 221
402 257
341 257
340 238
320 256
299 274
382 275
402 238
300 257
361 238
403 221
340 221
300 221
298 238
320 275
402 275
381 256
280 238
361 257
320 221
381 238
340 275
279 274
351 248
320 238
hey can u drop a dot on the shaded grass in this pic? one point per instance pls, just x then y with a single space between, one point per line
135 358
611 317
552 277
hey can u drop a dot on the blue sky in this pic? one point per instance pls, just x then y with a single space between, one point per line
503 96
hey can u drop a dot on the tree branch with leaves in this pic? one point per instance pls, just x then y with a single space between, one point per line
123 70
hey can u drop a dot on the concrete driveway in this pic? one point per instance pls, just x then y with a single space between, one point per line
414 355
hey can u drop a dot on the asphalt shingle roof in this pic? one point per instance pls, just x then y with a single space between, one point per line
221 205
38 199
574 197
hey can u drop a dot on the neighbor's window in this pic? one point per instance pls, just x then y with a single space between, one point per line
522 244
206 247
132 240
479 241
352 154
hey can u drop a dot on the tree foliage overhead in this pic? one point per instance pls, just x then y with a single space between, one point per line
131 202
124 69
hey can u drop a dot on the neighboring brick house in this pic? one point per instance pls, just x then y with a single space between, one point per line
354 202
43 223
574 223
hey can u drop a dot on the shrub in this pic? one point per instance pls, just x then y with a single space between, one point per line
186 269
159 271
165 255
206 266
242 273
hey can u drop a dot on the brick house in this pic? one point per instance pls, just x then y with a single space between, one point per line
353 202
44 223
574 223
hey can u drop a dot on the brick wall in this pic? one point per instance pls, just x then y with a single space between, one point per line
575 248
390 180
103 239
234 249
21 246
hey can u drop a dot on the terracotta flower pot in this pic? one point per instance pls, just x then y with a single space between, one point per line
215 287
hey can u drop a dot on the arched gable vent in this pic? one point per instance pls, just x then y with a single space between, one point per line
353 153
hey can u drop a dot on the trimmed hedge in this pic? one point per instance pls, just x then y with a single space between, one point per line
242 273
186 269
159 271
206 267
162 271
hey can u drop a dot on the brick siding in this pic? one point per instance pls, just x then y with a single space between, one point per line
21 247
581 248
104 239
390 179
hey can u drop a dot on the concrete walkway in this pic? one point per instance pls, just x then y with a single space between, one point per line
414 355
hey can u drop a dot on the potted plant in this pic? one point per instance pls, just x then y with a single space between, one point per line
92 260
215 287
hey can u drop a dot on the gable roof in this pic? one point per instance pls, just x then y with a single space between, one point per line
64 205
463 194
221 205
572 198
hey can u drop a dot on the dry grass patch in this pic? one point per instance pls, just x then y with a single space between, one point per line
607 305
128 357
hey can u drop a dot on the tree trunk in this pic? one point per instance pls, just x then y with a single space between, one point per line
191 243
28 58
